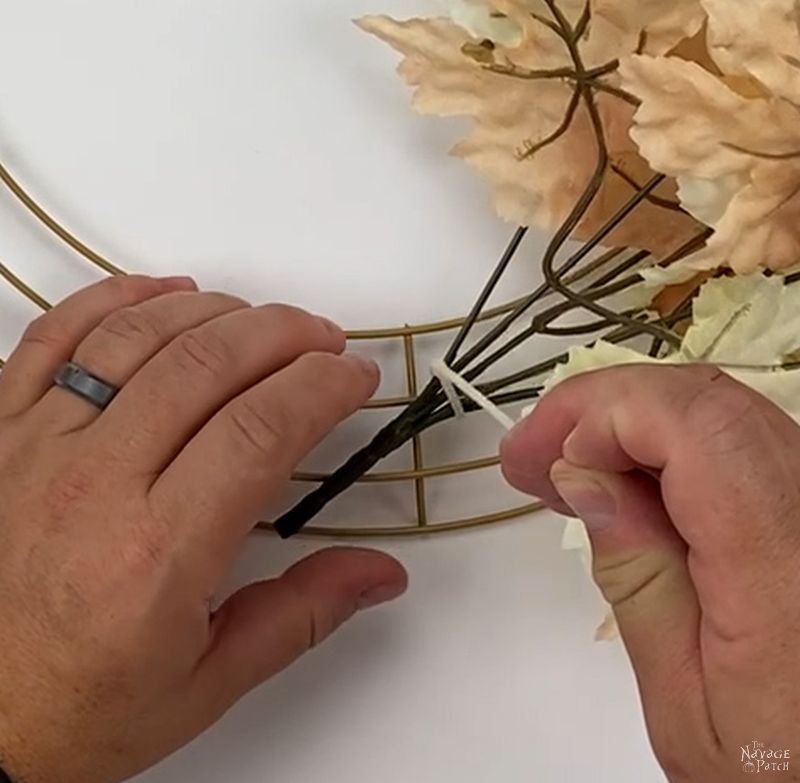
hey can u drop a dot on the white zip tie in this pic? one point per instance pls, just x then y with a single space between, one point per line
444 374
451 381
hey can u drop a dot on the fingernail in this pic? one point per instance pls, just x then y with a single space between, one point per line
180 282
380 594
512 435
518 453
332 327
586 496
368 365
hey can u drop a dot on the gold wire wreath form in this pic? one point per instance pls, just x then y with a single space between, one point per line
407 335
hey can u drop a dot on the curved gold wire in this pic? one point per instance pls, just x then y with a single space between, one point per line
421 472
426 530
436 471
65 236
21 286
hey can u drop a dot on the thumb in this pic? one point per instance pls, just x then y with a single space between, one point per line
265 627
640 565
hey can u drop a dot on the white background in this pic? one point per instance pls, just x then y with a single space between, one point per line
268 149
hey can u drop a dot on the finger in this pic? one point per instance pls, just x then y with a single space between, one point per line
198 373
267 626
52 338
640 566
729 463
215 489
124 341
728 466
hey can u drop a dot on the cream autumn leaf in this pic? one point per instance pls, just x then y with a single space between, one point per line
664 25
732 140
482 21
514 111
748 325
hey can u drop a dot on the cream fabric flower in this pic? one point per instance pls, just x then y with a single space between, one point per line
482 21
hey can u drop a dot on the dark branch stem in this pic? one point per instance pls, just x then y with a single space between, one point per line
486 294
617 92
615 269
665 203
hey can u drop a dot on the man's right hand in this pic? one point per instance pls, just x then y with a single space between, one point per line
689 484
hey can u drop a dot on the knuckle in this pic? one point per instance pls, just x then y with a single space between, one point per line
293 319
229 300
122 286
340 375
130 324
311 632
335 387
43 331
342 383
258 430
201 351
317 624
723 413
307 330
287 312
322 368
623 578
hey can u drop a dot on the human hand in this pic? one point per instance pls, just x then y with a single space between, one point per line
116 528
689 484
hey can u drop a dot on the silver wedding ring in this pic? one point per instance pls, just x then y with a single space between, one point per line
83 384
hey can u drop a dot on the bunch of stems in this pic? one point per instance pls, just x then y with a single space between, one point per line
583 281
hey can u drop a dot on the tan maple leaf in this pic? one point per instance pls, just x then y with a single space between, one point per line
533 137
657 25
759 39
731 137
